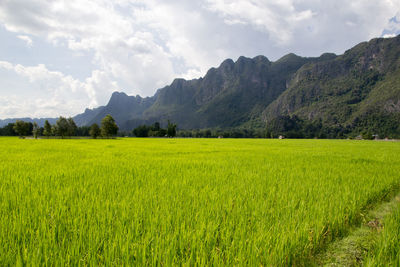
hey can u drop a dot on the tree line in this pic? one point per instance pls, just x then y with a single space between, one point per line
64 127
369 126
222 133
293 126
155 130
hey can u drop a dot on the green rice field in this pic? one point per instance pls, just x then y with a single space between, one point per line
190 202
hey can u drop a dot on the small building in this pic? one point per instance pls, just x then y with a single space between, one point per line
281 137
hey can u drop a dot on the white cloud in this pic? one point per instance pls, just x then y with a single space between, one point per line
277 18
121 49
393 27
312 23
51 93
26 39
389 35
181 35
6 65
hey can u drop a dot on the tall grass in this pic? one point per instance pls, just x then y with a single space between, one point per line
185 201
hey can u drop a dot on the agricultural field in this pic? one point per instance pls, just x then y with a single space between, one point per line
190 202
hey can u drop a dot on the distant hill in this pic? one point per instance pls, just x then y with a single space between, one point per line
354 92
40 121
358 91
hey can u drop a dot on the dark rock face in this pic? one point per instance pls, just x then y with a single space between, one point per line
227 96
86 117
123 108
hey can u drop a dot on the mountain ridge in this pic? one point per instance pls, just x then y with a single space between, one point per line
352 90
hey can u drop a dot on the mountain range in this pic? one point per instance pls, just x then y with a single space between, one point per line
357 90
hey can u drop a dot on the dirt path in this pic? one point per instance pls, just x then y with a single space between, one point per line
351 250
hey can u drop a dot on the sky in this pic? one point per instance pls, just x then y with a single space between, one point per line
59 57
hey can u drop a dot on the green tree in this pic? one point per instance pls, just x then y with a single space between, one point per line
72 128
21 128
35 130
367 135
62 127
171 129
141 131
156 126
83 131
94 131
47 128
53 130
8 130
108 126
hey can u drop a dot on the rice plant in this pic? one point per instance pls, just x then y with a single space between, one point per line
185 201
